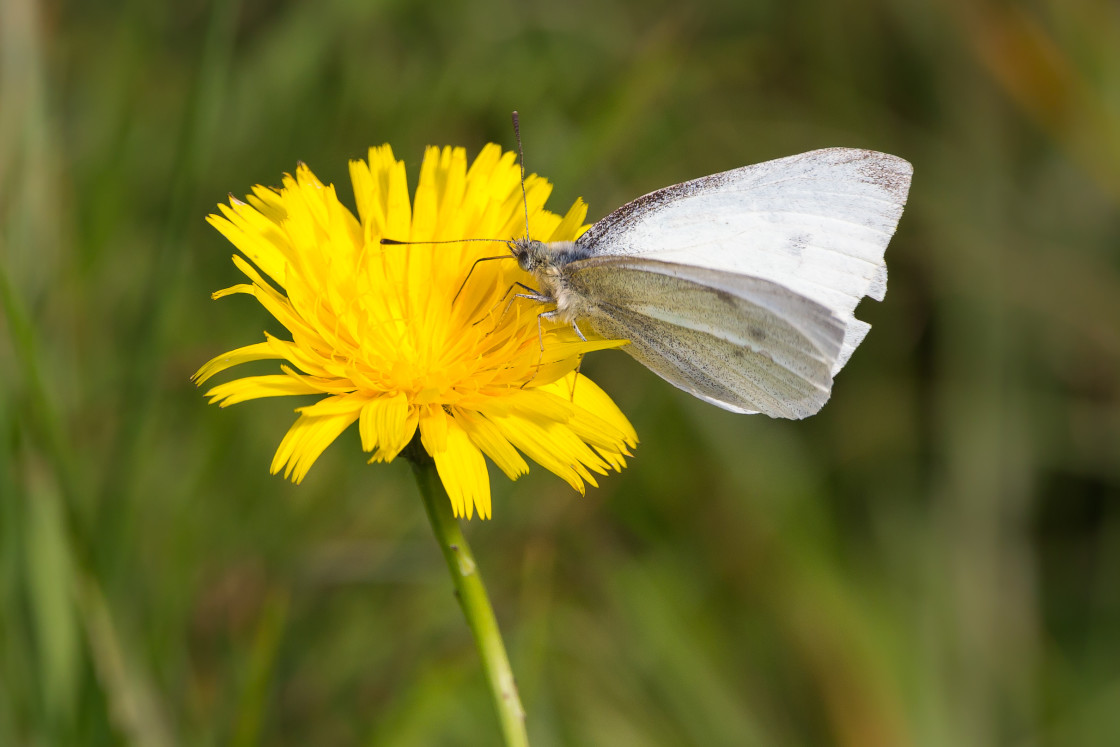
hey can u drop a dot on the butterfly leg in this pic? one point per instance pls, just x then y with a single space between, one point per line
532 294
540 329
539 298
572 391
550 315
473 266
540 340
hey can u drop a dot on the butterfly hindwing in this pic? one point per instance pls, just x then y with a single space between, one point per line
742 343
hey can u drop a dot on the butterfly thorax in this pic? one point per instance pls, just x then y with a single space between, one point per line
546 261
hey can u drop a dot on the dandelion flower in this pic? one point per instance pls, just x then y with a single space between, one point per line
378 332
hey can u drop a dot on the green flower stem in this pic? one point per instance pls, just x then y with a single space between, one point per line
471 593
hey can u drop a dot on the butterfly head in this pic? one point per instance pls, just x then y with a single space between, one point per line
532 256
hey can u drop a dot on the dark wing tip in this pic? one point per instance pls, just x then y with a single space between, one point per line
890 172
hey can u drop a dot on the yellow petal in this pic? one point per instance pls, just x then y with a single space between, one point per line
269 203
397 210
255 236
257 352
595 417
488 438
433 428
234 290
256 387
424 216
550 444
306 440
383 422
388 452
569 226
339 404
462 469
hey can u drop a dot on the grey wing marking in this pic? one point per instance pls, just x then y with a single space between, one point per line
739 342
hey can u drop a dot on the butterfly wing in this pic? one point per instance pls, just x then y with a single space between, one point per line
743 343
816 223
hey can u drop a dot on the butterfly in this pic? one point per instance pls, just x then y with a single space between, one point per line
739 288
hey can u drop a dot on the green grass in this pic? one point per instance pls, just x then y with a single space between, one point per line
932 560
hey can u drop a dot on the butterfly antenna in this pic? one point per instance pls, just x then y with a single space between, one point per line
521 158
511 255
395 242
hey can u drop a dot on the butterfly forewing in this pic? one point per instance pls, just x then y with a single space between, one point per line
816 224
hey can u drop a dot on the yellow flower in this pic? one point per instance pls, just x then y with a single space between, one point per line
378 330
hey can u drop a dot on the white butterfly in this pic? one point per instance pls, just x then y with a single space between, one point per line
741 287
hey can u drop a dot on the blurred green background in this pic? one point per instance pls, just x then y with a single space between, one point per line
932 560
